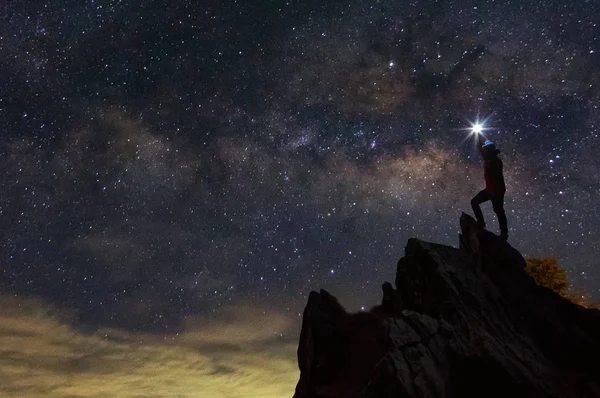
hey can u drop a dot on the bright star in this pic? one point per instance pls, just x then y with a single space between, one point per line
477 128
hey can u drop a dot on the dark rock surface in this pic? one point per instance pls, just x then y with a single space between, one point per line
467 322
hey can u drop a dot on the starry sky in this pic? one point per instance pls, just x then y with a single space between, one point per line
193 169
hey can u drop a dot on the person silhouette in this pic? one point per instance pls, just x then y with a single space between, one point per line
494 186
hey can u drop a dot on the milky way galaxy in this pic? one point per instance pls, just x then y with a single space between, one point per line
181 177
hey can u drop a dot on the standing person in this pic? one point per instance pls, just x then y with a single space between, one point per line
494 187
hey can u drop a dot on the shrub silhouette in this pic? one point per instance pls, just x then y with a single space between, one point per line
546 272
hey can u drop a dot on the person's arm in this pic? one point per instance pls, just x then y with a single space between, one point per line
480 145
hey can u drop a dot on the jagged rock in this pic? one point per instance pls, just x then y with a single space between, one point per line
460 323
391 301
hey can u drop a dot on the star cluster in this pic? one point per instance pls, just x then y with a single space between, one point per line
160 162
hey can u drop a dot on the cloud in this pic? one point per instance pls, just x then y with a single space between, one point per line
40 355
244 325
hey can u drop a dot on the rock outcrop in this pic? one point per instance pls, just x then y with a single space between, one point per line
467 322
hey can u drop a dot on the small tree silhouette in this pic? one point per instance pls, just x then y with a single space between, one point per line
546 272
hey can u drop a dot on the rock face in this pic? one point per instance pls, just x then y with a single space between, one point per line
465 322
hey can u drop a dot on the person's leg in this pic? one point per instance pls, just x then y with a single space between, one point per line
481 197
498 204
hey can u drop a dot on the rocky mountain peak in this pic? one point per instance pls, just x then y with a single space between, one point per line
465 321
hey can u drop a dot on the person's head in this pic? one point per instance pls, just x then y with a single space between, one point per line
489 149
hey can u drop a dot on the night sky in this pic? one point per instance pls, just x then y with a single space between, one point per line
196 167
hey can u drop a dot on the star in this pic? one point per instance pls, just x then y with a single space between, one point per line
477 128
